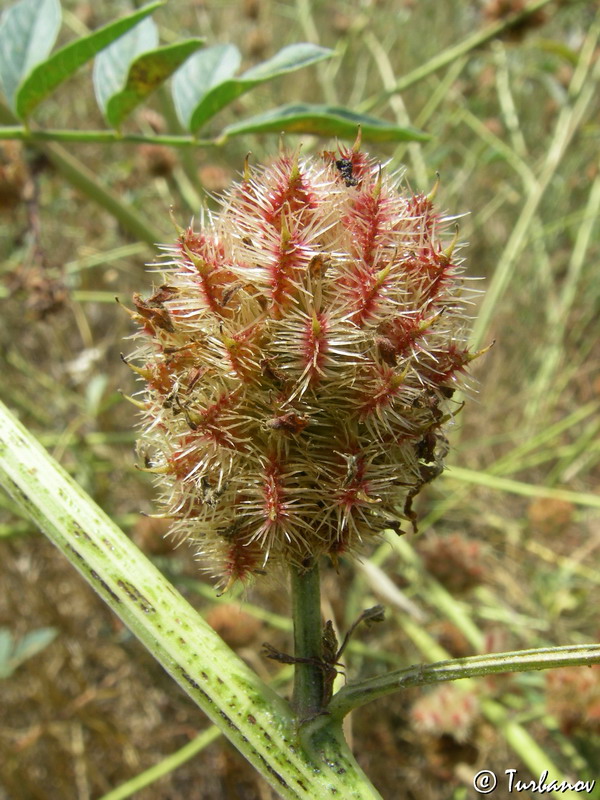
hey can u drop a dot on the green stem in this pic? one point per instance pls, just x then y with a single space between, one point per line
168 764
99 137
79 176
499 484
83 179
306 605
353 696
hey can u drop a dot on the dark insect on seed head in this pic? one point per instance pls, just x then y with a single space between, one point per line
344 166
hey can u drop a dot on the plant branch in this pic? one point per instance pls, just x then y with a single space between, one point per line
79 176
355 695
25 134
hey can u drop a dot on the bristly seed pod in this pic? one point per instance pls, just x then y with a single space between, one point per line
299 361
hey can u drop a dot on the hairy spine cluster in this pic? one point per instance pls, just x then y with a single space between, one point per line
299 361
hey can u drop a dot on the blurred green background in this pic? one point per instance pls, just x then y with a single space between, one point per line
507 554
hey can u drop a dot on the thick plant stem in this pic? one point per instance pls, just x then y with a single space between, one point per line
256 720
306 612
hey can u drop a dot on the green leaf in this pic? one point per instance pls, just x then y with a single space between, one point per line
6 646
12 654
32 643
202 74
111 66
46 76
145 76
200 93
288 59
322 120
28 31
133 67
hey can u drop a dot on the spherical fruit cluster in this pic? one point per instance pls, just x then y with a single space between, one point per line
299 360
446 710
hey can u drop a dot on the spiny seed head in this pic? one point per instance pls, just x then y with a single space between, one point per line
299 359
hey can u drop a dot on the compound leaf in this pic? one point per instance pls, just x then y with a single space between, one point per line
206 84
49 74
